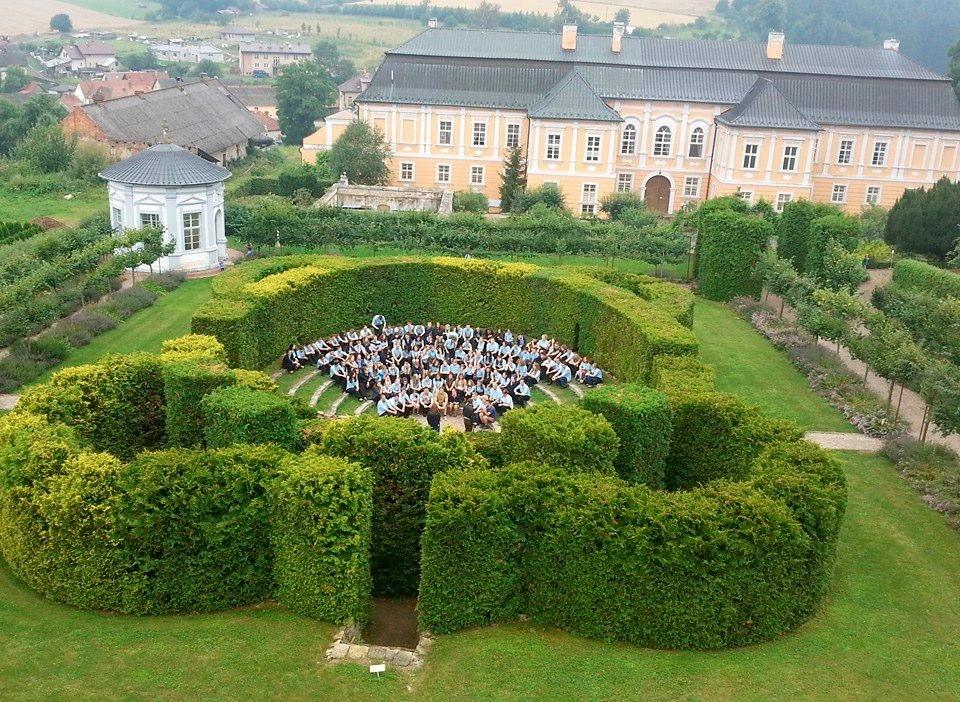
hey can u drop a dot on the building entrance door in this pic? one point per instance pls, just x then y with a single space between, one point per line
657 195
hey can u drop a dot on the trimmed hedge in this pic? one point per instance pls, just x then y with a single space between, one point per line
185 384
240 415
837 228
687 372
569 438
727 564
793 230
729 247
641 419
936 281
321 538
258 310
403 457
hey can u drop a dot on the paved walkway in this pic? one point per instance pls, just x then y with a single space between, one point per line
844 441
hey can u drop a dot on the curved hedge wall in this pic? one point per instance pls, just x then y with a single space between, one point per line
726 564
260 308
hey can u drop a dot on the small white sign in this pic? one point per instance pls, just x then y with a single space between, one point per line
378 668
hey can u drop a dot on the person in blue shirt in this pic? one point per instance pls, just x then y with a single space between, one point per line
378 323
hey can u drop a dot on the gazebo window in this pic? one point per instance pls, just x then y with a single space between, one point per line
191 231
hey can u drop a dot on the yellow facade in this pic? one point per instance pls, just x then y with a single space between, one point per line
681 147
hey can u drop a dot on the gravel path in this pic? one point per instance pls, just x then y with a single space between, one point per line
845 441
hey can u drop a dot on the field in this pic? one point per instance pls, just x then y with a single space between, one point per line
21 17
643 13
16 205
888 630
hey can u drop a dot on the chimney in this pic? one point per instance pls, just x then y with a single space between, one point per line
891 44
775 42
433 23
619 28
568 41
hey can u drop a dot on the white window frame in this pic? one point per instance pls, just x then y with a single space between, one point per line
877 192
691 186
880 149
845 152
782 200
153 217
116 219
513 135
663 142
591 150
407 171
791 156
624 182
588 199
745 195
482 171
449 172
698 139
196 230
841 190
554 144
628 141
751 154
479 134
445 135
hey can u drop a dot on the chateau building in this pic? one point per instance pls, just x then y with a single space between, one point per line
677 121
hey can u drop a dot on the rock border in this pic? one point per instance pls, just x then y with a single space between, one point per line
347 647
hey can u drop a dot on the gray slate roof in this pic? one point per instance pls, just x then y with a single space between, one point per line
200 115
573 98
250 94
165 165
653 52
495 78
765 106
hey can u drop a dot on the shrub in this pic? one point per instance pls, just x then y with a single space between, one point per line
116 405
74 334
403 457
839 229
687 372
125 303
47 349
908 273
184 385
163 282
489 445
16 371
615 203
727 564
729 248
569 438
925 221
321 538
548 195
464 201
193 347
93 322
239 415
641 419
793 232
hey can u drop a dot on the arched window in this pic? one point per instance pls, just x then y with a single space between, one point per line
696 143
628 144
662 141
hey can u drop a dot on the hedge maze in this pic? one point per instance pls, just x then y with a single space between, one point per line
655 510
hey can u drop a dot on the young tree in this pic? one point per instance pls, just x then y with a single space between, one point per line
623 15
303 93
362 153
327 54
514 177
61 23
208 67
16 80
139 60
46 149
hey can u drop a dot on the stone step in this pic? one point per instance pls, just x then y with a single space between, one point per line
303 381
319 391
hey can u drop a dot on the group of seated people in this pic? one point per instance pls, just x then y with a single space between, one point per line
436 370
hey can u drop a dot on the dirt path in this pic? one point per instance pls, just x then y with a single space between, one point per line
845 441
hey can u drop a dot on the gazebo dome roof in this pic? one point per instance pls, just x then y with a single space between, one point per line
165 165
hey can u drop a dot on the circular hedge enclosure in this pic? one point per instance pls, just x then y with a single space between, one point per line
659 512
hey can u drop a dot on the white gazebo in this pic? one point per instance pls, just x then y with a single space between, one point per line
167 186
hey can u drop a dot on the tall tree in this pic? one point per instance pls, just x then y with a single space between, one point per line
303 93
926 221
623 15
327 54
362 153
513 180
60 22
954 69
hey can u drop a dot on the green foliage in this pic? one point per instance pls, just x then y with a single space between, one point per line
240 415
185 383
138 59
60 22
908 273
932 320
46 149
603 559
321 514
17 121
793 234
16 79
953 70
403 457
926 222
641 419
260 308
17 231
548 195
687 372
513 179
362 153
729 247
837 229
840 269
303 92
614 204
562 436
116 405
465 201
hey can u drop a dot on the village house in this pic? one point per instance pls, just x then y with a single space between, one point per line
676 121
350 89
90 56
115 85
202 116
256 57
237 34
186 53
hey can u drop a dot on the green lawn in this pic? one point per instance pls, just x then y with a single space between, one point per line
24 206
168 318
747 365
890 628
133 9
